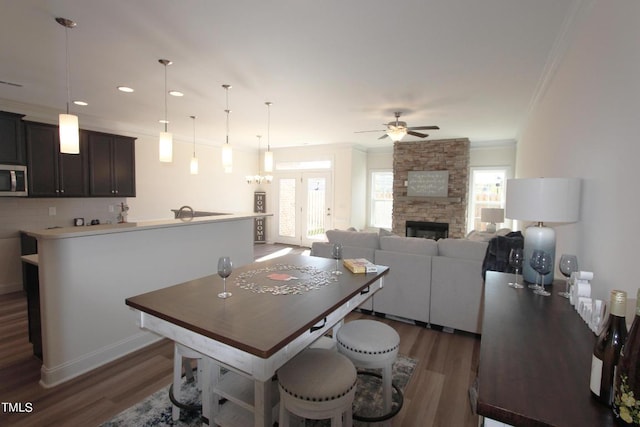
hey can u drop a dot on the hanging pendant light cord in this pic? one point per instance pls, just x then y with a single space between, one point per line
194 135
227 111
166 122
66 35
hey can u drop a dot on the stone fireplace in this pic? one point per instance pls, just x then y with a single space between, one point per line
450 155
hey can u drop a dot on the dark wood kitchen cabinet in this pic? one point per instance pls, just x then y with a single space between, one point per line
12 150
51 173
112 165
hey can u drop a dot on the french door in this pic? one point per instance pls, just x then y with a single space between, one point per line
304 202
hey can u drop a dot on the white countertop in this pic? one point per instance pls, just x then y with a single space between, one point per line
92 230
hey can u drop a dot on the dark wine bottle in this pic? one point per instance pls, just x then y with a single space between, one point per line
606 352
626 394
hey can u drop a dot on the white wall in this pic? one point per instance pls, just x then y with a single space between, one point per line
161 187
586 125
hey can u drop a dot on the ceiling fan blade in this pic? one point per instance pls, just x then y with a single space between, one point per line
383 136
422 127
418 134
364 131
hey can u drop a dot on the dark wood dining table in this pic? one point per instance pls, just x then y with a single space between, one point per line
258 329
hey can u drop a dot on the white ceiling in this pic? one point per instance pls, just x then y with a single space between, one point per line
330 67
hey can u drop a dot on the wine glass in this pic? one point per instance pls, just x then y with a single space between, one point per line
543 267
336 252
515 261
534 261
225 266
568 264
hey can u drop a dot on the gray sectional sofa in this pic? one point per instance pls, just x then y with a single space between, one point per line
431 282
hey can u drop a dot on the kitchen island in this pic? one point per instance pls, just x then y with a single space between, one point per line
85 274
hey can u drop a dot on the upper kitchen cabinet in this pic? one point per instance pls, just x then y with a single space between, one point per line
12 149
112 165
51 173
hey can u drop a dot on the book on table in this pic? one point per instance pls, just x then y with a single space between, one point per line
360 265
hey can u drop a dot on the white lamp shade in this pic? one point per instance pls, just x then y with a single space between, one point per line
492 215
268 161
227 158
166 147
543 199
193 167
396 134
69 134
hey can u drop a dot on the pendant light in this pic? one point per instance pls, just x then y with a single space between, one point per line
268 155
227 152
258 178
68 123
166 138
194 160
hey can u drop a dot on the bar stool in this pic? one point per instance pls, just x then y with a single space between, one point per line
317 384
370 344
182 357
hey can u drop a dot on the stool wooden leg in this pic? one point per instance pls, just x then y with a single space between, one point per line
387 390
284 416
177 375
348 418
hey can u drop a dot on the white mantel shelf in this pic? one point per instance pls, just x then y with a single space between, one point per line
94 230
430 199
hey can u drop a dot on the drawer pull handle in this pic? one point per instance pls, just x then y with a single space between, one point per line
315 328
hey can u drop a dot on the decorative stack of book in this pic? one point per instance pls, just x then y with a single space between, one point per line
360 265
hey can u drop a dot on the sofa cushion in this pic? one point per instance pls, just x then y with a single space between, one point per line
414 245
462 248
354 238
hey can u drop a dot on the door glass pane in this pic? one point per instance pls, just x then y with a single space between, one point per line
316 196
287 208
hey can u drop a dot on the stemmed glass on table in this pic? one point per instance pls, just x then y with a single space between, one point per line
515 261
568 264
541 262
336 253
225 267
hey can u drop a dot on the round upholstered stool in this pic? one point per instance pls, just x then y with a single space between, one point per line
317 384
182 357
370 344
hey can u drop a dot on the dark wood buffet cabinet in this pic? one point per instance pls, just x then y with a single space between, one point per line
105 166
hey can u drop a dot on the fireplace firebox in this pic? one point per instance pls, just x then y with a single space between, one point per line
427 230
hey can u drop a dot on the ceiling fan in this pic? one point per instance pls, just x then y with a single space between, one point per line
397 130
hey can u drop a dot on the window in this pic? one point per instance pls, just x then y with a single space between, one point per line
381 199
486 190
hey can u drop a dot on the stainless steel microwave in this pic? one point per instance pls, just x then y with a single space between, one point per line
13 181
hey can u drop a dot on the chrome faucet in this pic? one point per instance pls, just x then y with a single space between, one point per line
182 209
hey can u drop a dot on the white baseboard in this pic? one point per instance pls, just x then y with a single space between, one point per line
53 376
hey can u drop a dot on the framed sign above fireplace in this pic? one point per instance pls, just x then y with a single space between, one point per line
428 184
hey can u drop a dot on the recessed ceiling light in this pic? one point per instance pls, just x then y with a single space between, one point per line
82 103
175 93
125 89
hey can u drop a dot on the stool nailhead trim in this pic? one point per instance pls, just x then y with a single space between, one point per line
319 399
356 350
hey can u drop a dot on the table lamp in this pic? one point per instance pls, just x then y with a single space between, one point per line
542 200
493 216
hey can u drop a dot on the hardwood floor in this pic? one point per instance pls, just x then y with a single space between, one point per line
436 395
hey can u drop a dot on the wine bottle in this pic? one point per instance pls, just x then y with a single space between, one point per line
606 352
626 394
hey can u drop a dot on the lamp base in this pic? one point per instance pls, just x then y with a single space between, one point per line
543 238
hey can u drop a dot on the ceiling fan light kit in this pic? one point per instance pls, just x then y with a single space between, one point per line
397 130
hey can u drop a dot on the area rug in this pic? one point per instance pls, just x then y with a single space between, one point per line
155 410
